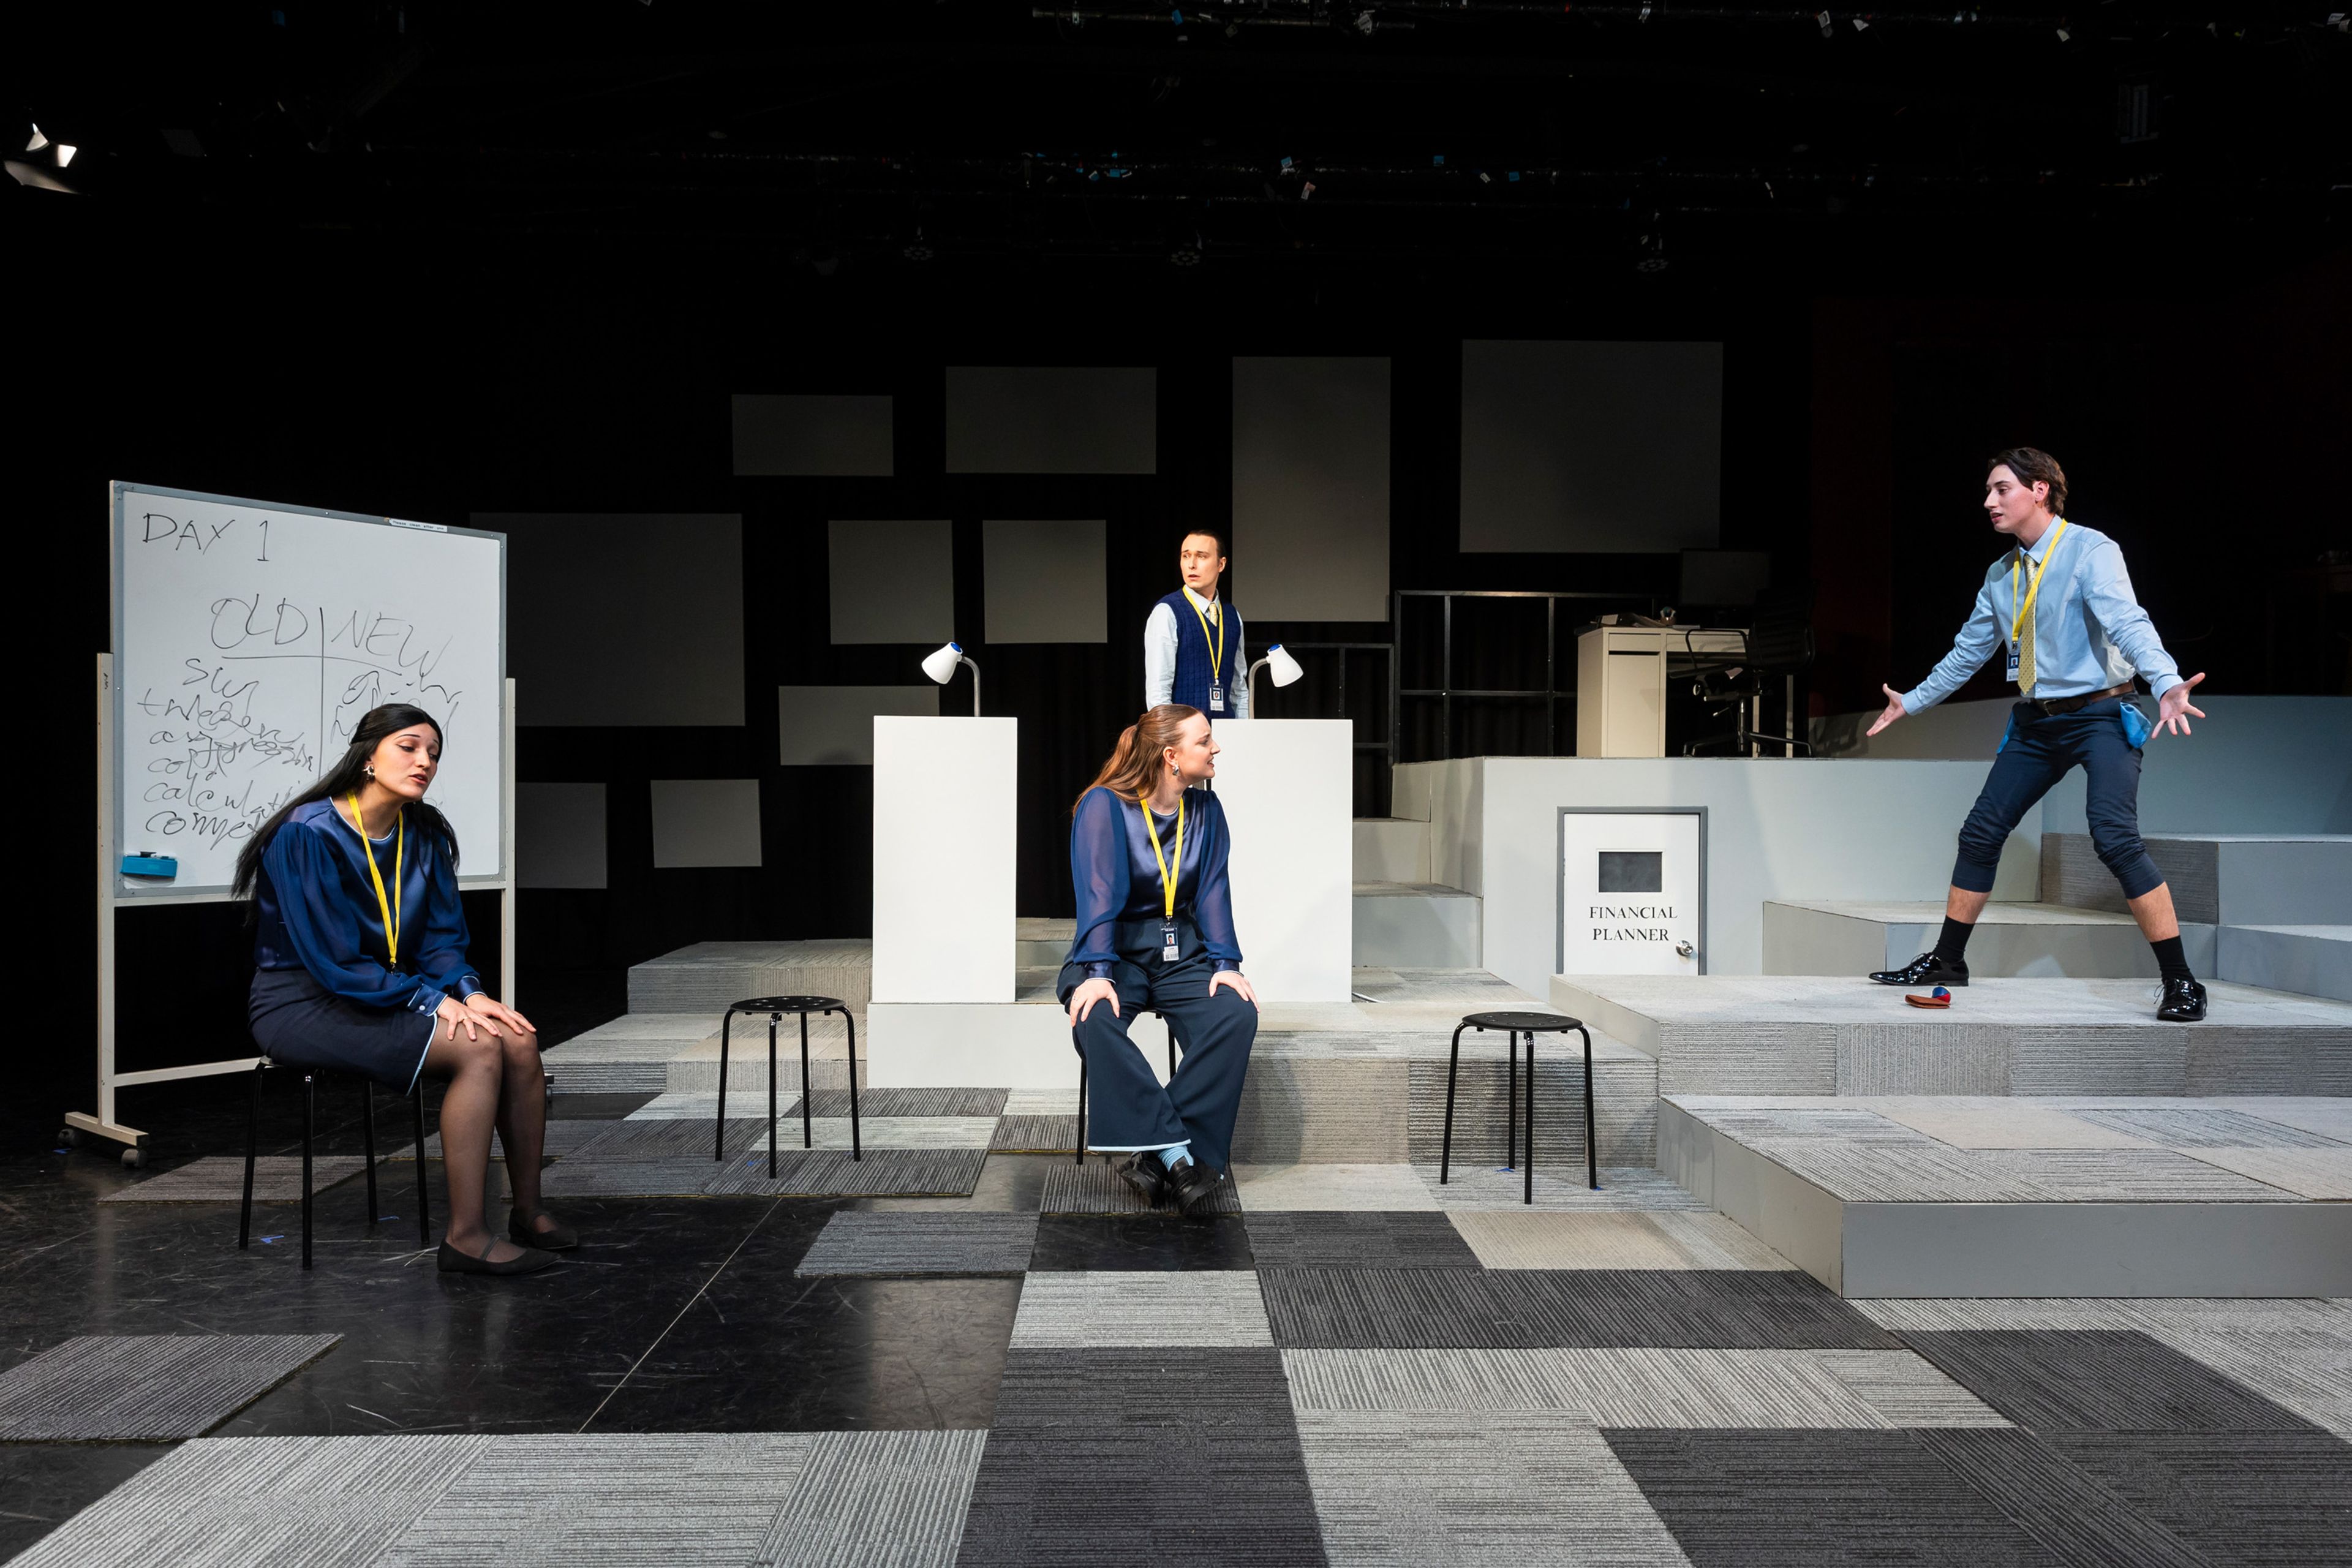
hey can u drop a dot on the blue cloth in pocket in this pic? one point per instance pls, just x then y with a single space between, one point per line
2007 730
2137 727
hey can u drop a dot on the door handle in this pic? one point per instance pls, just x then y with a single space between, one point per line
1683 950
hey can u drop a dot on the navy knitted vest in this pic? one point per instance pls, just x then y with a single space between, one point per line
1196 654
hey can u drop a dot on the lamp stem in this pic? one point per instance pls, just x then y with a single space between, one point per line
965 660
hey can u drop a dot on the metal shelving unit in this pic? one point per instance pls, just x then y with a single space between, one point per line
1446 692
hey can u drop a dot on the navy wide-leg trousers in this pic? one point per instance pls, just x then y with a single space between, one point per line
2040 747
1127 1108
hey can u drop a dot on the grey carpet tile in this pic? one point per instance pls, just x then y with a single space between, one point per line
1095 1188
555 1501
1528 1489
678 1177
2153 1314
2073 1380
1311 1239
910 1244
2274 1498
881 1133
2129 1176
1533 1238
882 1174
1401 1309
262 1502
702 1105
220 1178
129 1388
2061 1506
2202 1127
2321 1173
1069 1474
911 1102
1084 1309
1319 1186
1802 1500
2327 1115
1622 1188
2306 1371
666 1138
1908 1173
1906 1389
1846 1125
562 1137
876 1500
1034 1134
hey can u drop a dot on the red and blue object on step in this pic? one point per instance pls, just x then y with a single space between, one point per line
1938 997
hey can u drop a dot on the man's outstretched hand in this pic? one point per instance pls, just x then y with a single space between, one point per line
2173 707
1895 710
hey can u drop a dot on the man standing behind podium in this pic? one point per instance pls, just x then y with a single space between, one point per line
1192 640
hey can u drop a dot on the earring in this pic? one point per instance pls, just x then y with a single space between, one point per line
368 768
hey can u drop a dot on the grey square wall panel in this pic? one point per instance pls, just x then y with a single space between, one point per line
1591 446
655 600
1045 580
813 435
1311 488
706 822
1007 419
819 726
561 833
892 582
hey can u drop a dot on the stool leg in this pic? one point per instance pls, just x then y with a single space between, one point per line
1511 1108
1453 1065
775 1020
1080 1155
1531 1119
252 1137
719 1137
856 1150
423 1192
1592 1139
310 1108
367 1129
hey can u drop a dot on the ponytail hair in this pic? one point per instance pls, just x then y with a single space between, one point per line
1135 763
345 777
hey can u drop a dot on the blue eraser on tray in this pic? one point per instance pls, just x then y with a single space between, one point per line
150 866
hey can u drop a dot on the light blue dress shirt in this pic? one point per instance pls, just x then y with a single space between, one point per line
2089 632
1159 654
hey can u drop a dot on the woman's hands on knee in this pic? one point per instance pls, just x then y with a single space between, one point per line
1083 1000
456 1016
482 1005
1231 979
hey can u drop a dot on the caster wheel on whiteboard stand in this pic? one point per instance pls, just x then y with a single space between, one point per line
70 1137
133 1158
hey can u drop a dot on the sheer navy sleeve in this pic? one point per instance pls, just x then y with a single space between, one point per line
321 924
1099 875
1212 901
441 945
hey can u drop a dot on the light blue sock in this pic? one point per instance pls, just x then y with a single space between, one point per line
1168 1157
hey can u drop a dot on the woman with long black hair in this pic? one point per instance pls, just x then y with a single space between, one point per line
1147 850
360 965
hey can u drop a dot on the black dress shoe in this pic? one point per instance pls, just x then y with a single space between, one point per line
2184 1001
529 1260
1142 1173
558 1238
1192 1190
1928 969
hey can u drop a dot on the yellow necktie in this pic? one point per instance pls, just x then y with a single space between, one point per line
2025 648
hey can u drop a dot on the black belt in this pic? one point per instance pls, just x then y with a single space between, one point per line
2052 706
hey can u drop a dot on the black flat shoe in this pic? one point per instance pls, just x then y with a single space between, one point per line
1192 1190
1142 1173
560 1237
2183 1002
1928 969
529 1260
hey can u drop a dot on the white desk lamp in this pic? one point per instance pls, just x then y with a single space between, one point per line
1285 671
940 665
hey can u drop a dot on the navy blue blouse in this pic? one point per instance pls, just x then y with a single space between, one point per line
1118 876
318 912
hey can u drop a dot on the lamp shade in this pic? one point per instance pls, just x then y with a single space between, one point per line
941 665
1286 669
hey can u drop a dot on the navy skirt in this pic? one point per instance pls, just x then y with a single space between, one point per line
297 1022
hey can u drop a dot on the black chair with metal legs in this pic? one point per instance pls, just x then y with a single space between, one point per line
775 1007
1515 1025
311 1077
1081 1151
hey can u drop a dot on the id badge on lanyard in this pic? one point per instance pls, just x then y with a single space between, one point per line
1217 699
1216 654
1168 875
2012 664
1168 943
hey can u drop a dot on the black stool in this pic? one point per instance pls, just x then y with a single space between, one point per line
775 1007
1081 1157
1515 1025
311 1077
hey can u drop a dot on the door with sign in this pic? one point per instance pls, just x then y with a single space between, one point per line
1632 891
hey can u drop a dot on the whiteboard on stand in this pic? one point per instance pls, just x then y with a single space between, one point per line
250 638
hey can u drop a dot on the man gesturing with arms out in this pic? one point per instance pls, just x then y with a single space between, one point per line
2062 602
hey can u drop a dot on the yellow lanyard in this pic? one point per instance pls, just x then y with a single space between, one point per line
1167 875
388 907
2017 611
1217 657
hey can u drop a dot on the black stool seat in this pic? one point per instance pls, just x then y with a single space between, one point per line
775 1007
1515 1025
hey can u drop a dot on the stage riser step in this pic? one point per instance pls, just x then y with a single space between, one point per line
2217 881
2313 959
1407 926
1392 849
2009 941
709 977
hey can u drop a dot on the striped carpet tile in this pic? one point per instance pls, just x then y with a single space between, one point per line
876 1500
1527 1490
882 1174
1400 1308
910 1102
561 1138
261 1502
666 1138
1035 1135
904 1245
557 1501
1084 1311
2272 1498
1095 1188
1622 1187
883 1133
1803 1499
2202 1127
2324 1174
2130 1175
1072 1472
220 1178
1533 1238
1323 1239
2076 1380
2060 1505
1906 1389
680 1176
145 1388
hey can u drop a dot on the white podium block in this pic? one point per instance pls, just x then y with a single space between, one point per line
945 827
1288 789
